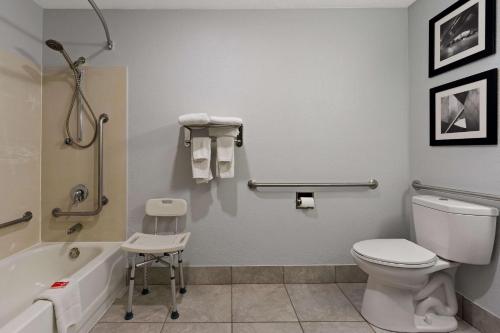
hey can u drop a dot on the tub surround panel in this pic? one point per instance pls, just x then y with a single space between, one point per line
63 167
21 25
471 168
20 147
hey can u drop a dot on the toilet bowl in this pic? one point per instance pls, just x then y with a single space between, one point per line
411 284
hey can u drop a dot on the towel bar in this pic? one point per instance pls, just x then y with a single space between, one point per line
253 184
188 133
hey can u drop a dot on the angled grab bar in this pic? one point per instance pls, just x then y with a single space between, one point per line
372 184
101 199
27 216
104 24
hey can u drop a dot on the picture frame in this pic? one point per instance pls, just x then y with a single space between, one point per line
464 112
461 34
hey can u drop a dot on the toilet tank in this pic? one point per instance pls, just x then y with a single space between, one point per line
455 230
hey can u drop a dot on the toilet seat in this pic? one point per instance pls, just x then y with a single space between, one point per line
394 252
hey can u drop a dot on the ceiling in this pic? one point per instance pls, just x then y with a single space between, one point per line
223 4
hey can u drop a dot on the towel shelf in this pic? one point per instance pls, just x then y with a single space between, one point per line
27 216
252 184
188 133
417 185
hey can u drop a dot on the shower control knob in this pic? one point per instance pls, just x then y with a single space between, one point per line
68 141
79 193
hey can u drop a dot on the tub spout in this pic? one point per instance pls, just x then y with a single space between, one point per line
76 228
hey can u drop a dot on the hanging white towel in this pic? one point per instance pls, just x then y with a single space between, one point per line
225 157
200 159
218 120
193 119
67 305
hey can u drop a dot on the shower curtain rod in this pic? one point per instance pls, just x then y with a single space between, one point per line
104 24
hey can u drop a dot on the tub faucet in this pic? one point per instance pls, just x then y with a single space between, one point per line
76 228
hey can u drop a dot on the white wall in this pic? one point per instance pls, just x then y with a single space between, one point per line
324 96
472 168
21 29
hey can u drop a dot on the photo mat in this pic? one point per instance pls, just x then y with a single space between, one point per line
464 112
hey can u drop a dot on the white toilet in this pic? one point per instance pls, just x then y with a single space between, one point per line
411 286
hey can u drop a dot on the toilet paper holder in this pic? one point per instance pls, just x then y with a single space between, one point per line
298 199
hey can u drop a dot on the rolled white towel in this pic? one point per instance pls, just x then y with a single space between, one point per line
193 119
233 121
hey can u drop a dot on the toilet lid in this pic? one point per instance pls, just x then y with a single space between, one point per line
395 252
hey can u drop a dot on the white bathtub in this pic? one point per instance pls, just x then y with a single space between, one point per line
99 270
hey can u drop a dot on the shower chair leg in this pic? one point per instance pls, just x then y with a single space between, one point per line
145 288
175 313
181 273
129 315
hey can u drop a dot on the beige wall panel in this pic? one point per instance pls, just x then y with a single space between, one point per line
63 166
20 146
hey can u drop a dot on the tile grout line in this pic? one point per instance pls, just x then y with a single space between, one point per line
293 307
355 308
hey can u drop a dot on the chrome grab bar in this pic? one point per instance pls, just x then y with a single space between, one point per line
253 184
417 185
27 216
101 199
104 24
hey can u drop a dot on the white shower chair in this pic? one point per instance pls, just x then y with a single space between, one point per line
155 247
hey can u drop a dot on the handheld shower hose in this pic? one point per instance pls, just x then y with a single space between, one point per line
56 46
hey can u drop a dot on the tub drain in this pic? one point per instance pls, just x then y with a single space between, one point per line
74 253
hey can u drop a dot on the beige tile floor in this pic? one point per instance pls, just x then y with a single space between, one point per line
247 308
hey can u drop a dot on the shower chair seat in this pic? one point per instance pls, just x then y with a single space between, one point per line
154 248
156 244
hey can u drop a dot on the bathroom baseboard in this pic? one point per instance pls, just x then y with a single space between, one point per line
481 319
259 274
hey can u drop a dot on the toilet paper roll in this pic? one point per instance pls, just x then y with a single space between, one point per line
306 202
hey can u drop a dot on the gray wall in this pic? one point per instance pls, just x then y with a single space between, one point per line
21 25
324 96
472 168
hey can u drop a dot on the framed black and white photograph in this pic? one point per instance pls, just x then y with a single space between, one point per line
461 34
464 112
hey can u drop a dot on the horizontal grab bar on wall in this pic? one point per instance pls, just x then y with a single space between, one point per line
253 184
417 185
27 216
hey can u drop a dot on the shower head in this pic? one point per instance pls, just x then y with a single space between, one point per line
54 45
57 46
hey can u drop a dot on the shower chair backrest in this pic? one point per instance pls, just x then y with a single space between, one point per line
166 207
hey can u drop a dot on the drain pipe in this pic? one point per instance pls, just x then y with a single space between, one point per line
431 302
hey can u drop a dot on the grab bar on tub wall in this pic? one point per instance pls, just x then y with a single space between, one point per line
253 184
101 199
417 185
27 216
